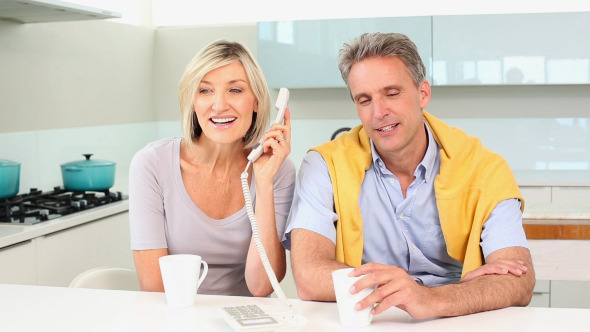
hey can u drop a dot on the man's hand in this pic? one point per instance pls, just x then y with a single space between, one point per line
500 266
395 287
506 280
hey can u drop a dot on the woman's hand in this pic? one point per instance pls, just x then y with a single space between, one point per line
276 147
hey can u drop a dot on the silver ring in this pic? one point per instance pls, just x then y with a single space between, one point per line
282 139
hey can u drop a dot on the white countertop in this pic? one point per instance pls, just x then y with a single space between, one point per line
41 308
11 234
566 213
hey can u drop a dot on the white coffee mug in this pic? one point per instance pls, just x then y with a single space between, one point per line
180 274
346 301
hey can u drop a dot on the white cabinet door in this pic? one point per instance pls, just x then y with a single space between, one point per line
541 294
532 194
511 49
571 195
17 264
570 294
303 54
61 256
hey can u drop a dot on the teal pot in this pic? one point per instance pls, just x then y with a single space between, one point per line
88 175
9 178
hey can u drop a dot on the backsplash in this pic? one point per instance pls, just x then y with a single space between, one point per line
42 152
528 144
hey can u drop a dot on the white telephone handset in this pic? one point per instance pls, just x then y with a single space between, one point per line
281 105
278 317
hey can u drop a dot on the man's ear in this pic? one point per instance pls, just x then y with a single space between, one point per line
425 93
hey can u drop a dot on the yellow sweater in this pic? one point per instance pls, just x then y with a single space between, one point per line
471 182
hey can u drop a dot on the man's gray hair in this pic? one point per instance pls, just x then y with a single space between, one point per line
379 44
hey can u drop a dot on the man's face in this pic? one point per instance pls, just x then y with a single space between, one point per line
389 104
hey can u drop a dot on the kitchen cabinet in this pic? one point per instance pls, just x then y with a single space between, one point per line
62 255
563 274
566 195
534 194
511 49
33 11
570 294
303 54
17 264
541 294
571 195
561 294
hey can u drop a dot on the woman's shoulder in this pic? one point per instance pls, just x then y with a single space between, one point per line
160 146
153 151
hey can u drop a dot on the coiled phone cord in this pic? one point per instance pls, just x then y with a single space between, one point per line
256 234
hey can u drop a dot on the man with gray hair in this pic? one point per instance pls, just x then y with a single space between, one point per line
421 209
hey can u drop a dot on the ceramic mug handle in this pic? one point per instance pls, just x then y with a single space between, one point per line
204 274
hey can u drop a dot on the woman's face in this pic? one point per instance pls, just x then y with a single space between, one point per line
225 104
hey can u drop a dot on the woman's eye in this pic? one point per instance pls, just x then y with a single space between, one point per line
203 90
235 90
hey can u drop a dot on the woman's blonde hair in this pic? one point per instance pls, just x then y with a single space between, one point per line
213 56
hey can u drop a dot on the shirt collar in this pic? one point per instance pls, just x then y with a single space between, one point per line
426 166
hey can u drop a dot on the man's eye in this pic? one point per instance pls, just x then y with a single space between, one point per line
363 101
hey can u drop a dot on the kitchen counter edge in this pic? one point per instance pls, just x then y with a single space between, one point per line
14 234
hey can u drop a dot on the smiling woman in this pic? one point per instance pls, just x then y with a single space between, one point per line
185 194
222 89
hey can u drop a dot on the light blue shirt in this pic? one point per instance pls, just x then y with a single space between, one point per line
399 231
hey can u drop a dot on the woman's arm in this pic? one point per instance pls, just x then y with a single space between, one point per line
148 269
266 168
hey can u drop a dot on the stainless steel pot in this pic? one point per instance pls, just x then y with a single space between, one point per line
88 175
9 178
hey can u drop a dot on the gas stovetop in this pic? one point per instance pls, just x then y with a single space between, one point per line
37 206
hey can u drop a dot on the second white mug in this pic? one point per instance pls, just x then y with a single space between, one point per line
346 301
182 277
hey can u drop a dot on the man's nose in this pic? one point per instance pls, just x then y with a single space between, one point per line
380 109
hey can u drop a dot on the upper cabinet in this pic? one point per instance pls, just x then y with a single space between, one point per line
511 49
34 11
304 54
526 49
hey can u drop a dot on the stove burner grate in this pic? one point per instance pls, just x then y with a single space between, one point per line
37 206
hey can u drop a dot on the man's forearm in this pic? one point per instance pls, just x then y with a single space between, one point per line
484 293
315 282
312 260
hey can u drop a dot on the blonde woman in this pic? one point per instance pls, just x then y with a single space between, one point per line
185 195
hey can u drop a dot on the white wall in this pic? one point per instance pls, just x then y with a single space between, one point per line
72 74
70 88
